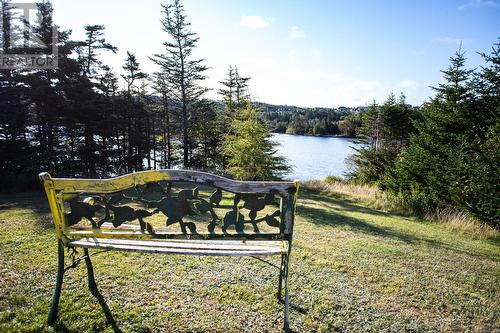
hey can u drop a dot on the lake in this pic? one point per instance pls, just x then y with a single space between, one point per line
314 157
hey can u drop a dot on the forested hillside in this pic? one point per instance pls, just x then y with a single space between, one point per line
312 121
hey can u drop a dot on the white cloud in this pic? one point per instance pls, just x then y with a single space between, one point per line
254 22
478 4
295 33
452 40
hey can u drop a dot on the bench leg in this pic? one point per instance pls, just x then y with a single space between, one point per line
57 292
90 273
287 300
280 281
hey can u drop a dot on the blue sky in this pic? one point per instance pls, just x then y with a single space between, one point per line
306 53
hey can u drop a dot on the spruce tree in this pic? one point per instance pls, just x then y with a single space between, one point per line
234 93
89 49
431 169
250 150
479 192
18 160
163 88
184 72
227 91
384 130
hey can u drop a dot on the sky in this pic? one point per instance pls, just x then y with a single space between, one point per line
305 53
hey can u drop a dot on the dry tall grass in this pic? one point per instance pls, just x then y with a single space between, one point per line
461 221
370 195
350 189
366 194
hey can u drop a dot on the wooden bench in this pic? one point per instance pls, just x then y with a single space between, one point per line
171 212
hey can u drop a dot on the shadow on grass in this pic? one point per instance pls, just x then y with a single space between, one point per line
348 204
330 217
60 326
295 307
35 202
107 312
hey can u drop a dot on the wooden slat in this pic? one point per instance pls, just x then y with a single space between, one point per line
74 185
227 241
175 248
194 244
137 234
264 242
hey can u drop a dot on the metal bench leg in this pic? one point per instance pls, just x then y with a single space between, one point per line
90 273
280 281
287 300
57 292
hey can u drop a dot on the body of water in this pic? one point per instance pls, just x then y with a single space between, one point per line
314 157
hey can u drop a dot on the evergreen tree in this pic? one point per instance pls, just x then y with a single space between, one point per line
384 130
17 162
132 72
250 150
432 169
162 87
134 113
84 97
227 91
207 133
479 192
234 93
89 49
241 91
184 72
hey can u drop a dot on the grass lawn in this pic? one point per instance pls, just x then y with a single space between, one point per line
353 269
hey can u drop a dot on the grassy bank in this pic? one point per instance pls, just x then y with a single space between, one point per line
354 268
369 195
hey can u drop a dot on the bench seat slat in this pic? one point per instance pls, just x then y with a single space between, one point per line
208 247
225 241
196 244
136 234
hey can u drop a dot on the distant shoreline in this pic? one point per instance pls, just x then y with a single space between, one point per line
319 136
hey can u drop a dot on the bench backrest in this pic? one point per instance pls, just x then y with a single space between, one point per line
171 204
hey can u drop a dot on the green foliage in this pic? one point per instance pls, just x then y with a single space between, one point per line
311 121
480 190
332 179
371 165
182 72
234 90
453 158
383 131
251 153
76 121
234 93
350 124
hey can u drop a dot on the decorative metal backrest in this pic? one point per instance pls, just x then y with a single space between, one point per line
171 203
